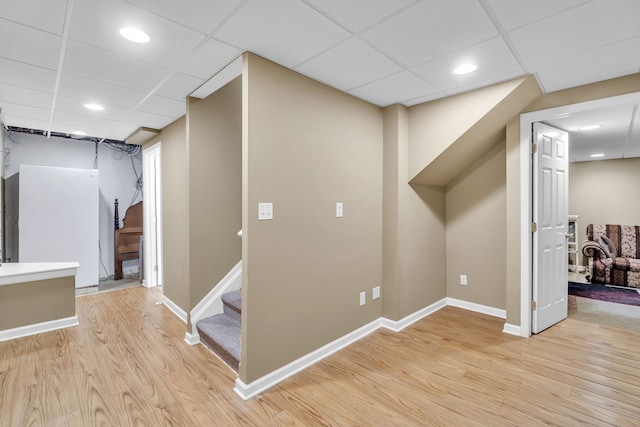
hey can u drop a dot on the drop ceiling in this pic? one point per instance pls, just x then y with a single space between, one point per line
56 55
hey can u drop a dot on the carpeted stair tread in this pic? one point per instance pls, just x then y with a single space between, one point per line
221 333
233 300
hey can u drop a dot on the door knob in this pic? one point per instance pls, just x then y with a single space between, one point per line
569 235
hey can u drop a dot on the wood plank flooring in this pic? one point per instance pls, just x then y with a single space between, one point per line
127 364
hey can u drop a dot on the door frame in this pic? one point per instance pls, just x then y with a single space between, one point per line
148 214
526 189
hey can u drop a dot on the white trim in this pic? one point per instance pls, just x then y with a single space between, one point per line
38 328
192 339
182 315
230 282
398 325
526 200
224 76
478 308
12 273
511 329
247 391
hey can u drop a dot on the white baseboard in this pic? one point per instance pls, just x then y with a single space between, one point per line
182 315
478 308
398 325
511 329
247 391
192 339
38 328
212 304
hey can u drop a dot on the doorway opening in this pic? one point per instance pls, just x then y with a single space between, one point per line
152 214
527 194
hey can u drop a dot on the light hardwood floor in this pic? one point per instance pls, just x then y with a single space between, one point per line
127 364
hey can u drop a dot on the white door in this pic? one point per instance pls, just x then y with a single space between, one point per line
550 207
152 208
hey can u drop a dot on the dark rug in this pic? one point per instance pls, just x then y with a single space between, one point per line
605 293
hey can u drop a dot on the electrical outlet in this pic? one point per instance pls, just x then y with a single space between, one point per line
363 298
463 279
376 293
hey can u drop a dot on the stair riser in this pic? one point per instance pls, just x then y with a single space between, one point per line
221 352
231 312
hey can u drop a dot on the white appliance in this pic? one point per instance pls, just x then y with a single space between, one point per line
58 218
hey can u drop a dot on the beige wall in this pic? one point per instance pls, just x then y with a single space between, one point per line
447 135
175 224
214 143
476 231
305 147
29 303
413 228
604 89
604 192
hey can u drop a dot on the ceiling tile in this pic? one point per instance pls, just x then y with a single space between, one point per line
93 63
25 122
88 121
348 65
357 15
46 15
21 95
165 106
209 59
26 111
28 76
592 66
200 15
29 45
285 31
493 58
151 120
97 23
431 29
89 90
516 13
178 86
394 89
586 27
122 131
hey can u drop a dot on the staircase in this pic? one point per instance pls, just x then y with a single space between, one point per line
221 332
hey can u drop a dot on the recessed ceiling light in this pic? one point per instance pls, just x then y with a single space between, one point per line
95 107
79 133
597 155
590 127
135 35
465 69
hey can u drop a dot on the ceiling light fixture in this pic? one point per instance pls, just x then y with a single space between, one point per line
94 107
134 34
79 133
597 155
465 69
590 127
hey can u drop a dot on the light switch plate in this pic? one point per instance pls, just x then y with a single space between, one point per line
339 210
376 293
265 211
363 298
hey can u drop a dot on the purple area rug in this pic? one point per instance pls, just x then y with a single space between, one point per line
605 293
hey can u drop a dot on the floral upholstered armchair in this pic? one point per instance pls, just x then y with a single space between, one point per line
614 254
